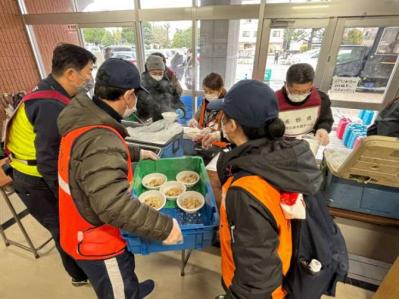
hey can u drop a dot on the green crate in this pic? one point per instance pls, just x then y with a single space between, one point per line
171 167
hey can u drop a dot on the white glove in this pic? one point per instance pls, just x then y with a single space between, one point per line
193 123
322 136
175 236
148 155
210 138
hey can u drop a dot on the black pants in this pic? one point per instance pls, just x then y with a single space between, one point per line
113 278
43 206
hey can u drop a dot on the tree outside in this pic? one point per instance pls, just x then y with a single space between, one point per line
354 37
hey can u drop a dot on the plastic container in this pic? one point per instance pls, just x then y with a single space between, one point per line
342 126
368 117
199 228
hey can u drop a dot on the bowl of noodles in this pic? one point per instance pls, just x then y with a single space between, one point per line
154 181
190 201
172 189
153 198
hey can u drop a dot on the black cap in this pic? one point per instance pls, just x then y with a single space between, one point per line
251 103
119 73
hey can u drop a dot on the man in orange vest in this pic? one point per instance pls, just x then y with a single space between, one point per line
95 179
263 168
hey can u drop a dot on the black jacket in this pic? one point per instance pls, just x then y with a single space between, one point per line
288 165
162 97
43 116
387 122
326 119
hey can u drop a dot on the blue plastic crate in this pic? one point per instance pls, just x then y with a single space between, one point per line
198 229
363 198
174 148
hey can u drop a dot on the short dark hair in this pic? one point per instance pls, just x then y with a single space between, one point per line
300 73
273 129
213 81
108 92
70 56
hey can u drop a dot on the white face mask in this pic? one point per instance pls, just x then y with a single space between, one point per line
225 135
157 77
211 96
129 111
297 98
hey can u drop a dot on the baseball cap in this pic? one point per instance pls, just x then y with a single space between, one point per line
251 103
119 73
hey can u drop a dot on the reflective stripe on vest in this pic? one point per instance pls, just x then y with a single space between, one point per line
20 135
270 198
299 120
79 238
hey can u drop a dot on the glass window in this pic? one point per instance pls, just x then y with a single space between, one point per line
165 4
246 33
295 1
107 42
48 6
226 47
173 40
226 2
288 46
49 36
364 63
104 5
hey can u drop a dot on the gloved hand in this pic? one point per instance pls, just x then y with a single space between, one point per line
193 123
322 136
175 236
148 155
209 138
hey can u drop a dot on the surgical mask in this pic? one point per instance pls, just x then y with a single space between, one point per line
157 77
129 111
297 98
211 96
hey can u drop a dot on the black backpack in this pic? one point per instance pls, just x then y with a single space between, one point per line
387 122
316 237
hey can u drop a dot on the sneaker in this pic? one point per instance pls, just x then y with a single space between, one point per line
146 287
79 283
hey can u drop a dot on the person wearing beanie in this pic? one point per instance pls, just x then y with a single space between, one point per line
255 235
162 96
170 74
303 108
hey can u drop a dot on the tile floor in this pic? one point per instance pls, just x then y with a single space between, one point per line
22 276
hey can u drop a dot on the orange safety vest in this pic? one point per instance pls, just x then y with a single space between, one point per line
270 198
201 120
79 238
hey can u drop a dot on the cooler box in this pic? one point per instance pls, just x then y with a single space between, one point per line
365 180
198 229
161 137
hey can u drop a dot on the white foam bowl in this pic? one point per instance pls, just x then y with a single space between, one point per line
153 193
152 176
170 116
182 174
172 184
189 194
